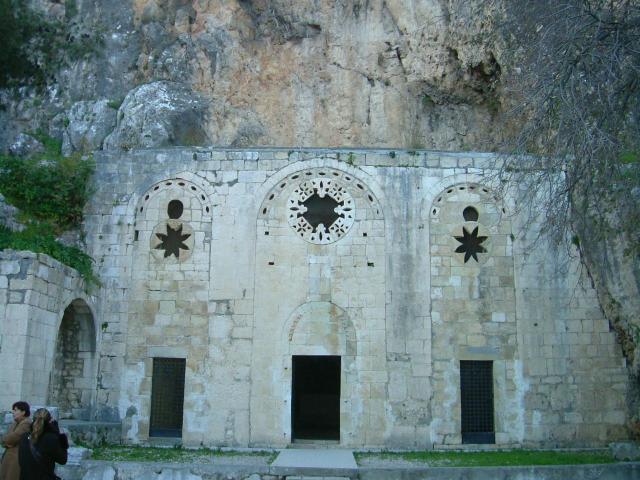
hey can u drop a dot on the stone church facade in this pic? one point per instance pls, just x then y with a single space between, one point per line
364 298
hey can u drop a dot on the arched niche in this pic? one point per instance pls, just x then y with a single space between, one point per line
72 380
473 310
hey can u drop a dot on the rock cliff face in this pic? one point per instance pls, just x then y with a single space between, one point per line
399 73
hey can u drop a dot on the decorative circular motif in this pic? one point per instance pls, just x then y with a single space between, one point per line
320 210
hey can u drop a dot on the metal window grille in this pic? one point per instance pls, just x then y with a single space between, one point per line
476 392
167 397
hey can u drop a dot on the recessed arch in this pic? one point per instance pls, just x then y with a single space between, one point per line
183 188
300 172
73 375
468 202
320 328
306 176
192 183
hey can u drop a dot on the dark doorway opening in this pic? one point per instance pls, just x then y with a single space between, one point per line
476 392
167 397
315 405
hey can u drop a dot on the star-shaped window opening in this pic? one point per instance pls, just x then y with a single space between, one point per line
172 242
471 244
320 210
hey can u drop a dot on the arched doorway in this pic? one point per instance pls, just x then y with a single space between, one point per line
72 380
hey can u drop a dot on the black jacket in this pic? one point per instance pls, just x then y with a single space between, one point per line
51 449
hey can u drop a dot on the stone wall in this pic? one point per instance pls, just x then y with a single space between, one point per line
387 288
575 375
473 304
35 291
98 470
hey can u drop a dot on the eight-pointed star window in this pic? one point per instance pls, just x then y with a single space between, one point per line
172 242
471 244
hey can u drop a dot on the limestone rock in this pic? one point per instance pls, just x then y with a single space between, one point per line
378 73
166 474
77 454
25 146
159 114
625 451
88 124
100 473
8 214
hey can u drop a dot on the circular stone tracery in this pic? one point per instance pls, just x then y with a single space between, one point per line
320 210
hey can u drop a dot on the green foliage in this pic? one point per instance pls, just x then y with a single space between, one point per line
630 157
70 9
34 46
16 28
115 104
427 101
499 458
351 158
575 240
493 104
48 188
38 238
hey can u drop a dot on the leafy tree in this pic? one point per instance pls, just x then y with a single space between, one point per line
18 26
35 46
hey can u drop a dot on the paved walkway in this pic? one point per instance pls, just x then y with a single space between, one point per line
315 458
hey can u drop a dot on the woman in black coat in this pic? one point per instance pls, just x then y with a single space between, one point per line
41 449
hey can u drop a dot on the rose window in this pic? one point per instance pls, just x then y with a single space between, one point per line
320 211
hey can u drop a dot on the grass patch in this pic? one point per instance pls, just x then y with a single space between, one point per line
171 455
494 458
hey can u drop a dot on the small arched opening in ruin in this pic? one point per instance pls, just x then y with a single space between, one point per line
72 379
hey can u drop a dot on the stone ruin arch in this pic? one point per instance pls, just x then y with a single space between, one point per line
73 375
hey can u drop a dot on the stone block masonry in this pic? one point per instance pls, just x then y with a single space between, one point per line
325 295
37 292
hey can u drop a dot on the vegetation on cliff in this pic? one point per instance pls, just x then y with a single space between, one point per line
50 190
36 46
576 91
575 95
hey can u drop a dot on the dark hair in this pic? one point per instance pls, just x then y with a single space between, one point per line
24 406
41 420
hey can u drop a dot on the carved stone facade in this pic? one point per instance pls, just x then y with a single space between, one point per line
262 297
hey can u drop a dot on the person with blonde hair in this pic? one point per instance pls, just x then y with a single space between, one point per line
10 470
41 449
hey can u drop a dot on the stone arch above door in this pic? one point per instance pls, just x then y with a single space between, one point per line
320 328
